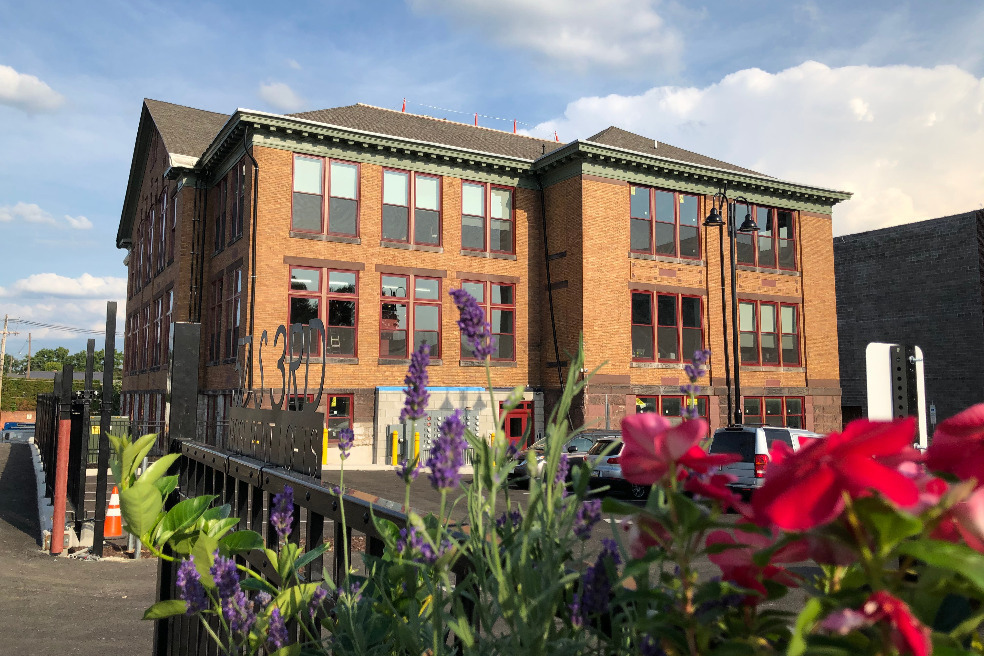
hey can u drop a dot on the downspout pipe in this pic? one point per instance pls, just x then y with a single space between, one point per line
546 261
247 147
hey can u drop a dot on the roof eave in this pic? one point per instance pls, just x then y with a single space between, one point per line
134 181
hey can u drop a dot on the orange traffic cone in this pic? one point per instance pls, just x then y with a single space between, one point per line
113 526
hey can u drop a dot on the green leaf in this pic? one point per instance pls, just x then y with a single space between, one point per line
185 513
807 618
203 552
289 650
119 444
952 557
893 527
614 506
140 506
166 485
295 598
134 453
218 512
259 585
156 470
310 556
219 527
167 608
242 541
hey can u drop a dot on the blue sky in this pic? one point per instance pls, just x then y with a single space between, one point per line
884 99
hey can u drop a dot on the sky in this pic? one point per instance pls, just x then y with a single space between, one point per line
882 99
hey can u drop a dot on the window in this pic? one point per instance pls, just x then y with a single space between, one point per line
403 311
238 200
220 220
342 182
774 245
478 202
676 333
309 294
166 327
768 333
339 415
173 221
774 411
215 322
156 313
403 190
664 223
162 233
499 302
145 338
670 406
233 312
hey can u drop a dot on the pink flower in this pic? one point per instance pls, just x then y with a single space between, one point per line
909 635
965 522
653 448
716 487
642 531
738 564
958 445
805 489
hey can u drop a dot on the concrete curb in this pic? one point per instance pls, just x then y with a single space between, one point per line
466 470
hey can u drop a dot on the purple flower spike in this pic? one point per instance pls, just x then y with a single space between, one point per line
317 599
282 515
594 595
702 357
447 453
346 437
587 516
277 631
224 574
474 328
416 381
563 467
190 588
408 471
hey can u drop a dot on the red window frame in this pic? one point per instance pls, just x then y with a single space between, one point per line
757 333
488 306
174 221
162 233
239 200
325 296
487 218
326 163
215 322
767 219
658 406
166 327
654 325
413 208
157 309
653 219
220 219
145 338
786 413
411 302
317 294
233 313
329 416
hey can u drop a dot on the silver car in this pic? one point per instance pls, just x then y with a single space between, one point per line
607 469
753 444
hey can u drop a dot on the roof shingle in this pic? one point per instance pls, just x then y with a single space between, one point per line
185 130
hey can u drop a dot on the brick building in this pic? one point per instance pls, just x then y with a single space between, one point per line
922 284
364 218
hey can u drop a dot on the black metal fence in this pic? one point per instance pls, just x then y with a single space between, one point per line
46 437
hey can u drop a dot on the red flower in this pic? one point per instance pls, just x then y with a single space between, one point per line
738 565
965 522
715 487
909 635
653 447
804 489
958 445
642 531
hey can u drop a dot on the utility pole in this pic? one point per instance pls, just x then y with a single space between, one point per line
3 356
28 355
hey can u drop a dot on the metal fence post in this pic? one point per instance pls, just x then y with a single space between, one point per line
106 415
64 437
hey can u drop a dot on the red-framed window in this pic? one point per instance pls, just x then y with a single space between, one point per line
487 218
775 411
774 245
311 290
340 414
499 302
238 200
156 313
403 190
312 176
666 327
671 405
145 338
173 220
409 305
233 312
215 322
165 349
220 219
162 233
769 333
664 223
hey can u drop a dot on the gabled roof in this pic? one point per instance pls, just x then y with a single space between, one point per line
434 130
619 138
185 130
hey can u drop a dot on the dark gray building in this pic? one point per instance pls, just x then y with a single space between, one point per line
923 284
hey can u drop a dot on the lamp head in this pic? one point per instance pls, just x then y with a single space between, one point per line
748 225
713 219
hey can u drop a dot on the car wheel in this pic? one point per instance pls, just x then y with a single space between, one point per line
638 491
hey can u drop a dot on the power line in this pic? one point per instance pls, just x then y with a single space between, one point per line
67 329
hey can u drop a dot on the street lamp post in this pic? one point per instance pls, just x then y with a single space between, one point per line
748 226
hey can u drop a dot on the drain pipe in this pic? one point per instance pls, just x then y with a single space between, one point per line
252 239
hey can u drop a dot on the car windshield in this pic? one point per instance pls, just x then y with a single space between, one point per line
740 442
599 446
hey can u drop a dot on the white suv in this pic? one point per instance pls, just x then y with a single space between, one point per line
753 444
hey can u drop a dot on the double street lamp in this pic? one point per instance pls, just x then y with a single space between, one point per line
729 208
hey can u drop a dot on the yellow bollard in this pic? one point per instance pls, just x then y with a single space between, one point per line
396 448
324 447
416 444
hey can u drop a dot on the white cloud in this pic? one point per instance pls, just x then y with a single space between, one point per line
42 285
32 213
905 140
614 35
27 92
75 313
281 96
293 64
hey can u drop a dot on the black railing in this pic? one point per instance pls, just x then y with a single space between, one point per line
46 438
248 486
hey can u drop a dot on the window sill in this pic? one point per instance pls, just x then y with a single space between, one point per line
410 247
666 258
234 240
486 254
482 363
774 272
406 361
502 256
320 237
657 365
333 360
774 369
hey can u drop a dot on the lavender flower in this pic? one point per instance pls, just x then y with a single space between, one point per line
474 328
563 467
334 489
695 370
447 453
594 595
346 437
236 608
409 470
282 515
511 451
224 574
317 599
515 518
701 357
416 381
262 600
277 631
190 588
587 516
411 541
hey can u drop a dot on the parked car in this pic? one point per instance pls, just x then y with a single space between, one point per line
753 444
607 469
577 449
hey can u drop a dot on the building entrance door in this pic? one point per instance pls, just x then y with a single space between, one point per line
517 423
